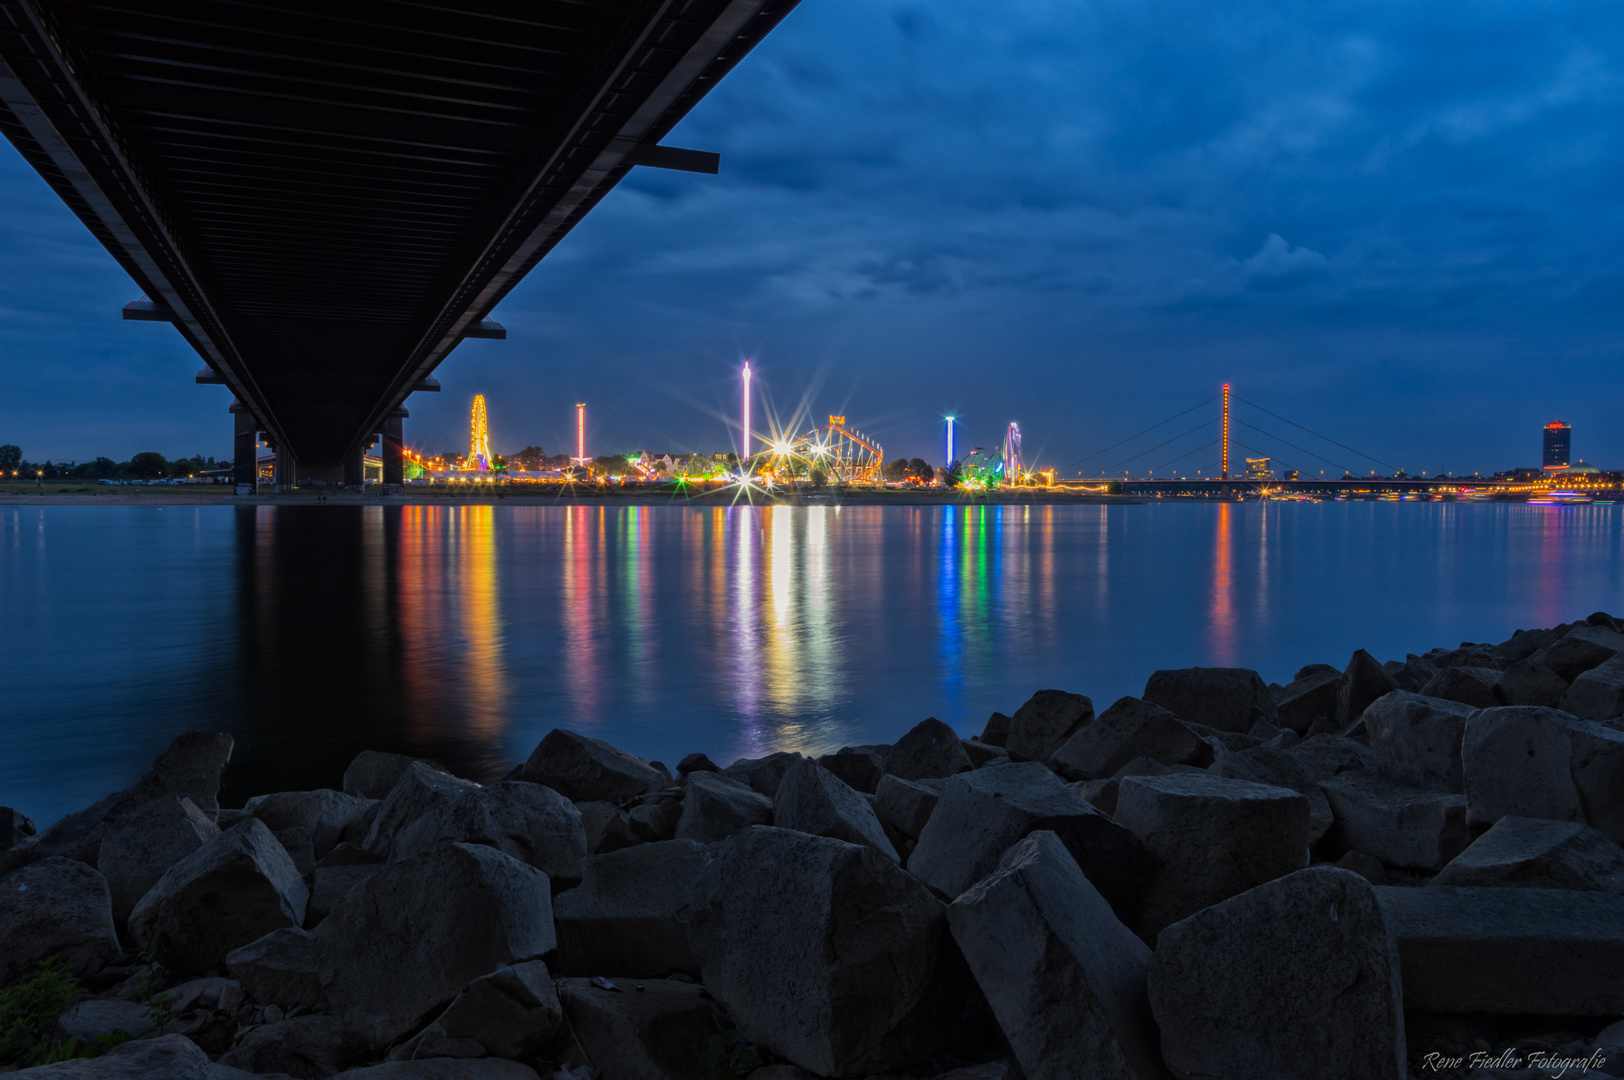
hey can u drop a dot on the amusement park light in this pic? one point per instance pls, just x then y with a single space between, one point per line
744 446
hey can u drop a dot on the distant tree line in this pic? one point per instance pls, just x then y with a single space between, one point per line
909 468
148 465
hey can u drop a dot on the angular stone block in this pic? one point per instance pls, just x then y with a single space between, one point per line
323 814
1129 729
1401 826
1509 952
1065 979
1047 720
857 766
1528 683
1272 765
142 845
1598 694
1543 763
373 773
402 944
1469 686
904 805
1296 978
762 774
514 1012
929 749
1534 853
714 807
629 916
1582 648
1208 839
419 790
1227 699
825 952
660 1031
55 906
585 769
813 800
1308 697
1363 681
234 889
279 969
1416 739
980 814
532 823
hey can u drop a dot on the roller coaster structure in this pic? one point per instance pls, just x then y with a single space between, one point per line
842 453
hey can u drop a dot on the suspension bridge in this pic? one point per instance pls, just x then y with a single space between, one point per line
1238 446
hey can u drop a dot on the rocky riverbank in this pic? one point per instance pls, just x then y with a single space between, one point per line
1382 870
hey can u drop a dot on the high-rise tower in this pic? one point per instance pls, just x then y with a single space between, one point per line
1558 446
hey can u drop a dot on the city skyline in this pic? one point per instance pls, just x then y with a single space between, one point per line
1382 244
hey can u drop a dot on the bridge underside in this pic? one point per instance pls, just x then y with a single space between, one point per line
325 198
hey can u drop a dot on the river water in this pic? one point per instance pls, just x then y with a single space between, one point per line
466 633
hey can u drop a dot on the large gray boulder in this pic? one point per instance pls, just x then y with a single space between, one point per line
143 844
982 813
190 769
322 814
1528 683
929 749
167 1057
1469 686
419 790
1226 699
826 953
1308 697
330 884
1272 765
1065 979
904 805
661 1031
401 945
513 1012
1363 681
1129 729
305 1047
1208 839
607 827
585 769
629 916
714 807
234 889
1298 977
1534 853
813 800
55 906
859 766
1047 720
279 969
1543 763
1416 739
1509 952
1598 694
1401 826
532 823
762 774
374 773
1582 648
1326 755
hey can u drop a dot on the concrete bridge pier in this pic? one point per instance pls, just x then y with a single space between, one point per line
244 450
287 470
355 474
394 452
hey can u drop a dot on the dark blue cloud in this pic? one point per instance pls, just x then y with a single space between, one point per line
1397 222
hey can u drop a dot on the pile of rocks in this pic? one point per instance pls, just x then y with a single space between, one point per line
1373 872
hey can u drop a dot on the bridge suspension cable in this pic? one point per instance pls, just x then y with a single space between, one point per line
1158 446
1293 445
1186 454
1147 431
1316 435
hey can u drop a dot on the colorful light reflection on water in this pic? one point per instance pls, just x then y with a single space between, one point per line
465 633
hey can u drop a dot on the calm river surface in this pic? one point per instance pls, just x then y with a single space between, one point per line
466 633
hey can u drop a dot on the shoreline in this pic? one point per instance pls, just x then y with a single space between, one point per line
619 497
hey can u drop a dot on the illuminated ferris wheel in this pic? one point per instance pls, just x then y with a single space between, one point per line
479 436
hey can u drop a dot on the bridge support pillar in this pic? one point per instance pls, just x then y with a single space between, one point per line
287 470
355 469
244 450
394 450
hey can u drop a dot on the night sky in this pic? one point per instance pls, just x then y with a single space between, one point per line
1395 223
